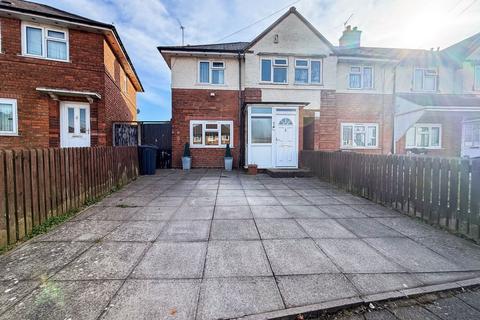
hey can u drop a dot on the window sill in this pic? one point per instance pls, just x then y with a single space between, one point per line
360 148
211 84
44 58
9 134
274 83
308 84
423 148
362 89
209 147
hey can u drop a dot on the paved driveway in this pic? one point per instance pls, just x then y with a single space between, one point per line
207 245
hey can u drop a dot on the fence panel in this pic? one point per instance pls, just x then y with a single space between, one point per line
441 191
37 184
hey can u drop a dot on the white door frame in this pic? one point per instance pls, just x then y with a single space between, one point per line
278 112
64 138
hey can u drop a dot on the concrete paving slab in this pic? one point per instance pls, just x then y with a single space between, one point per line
413 313
284 193
84 230
115 214
236 259
380 315
411 227
263 201
185 230
203 193
303 290
351 199
234 230
39 259
324 228
305 212
172 260
452 308
270 212
280 229
200 201
341 211
187 212
225 298
371 228
141 231
87 212
311 192
297 256
419 258
154 213
374 283
432 278
355 256
471 298
231 201
167 201
13 291
232 212
323 200
231 193
107 260
65 300
376 211
258 193
159 299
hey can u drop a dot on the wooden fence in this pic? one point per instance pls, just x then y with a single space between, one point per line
37 184
442 191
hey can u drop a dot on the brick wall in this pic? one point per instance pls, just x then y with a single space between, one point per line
196 104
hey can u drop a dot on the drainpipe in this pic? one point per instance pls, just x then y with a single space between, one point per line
241 146
394 147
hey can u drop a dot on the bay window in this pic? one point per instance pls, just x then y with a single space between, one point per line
274 70
8 117
45 42
211 72
359 135
426 136
308 71
425 79
211 134
360 77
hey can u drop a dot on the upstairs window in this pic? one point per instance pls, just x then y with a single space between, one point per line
476 85
211 134
360 77
8 117
212 72
425 79
45 42
308 71
424 136
359 135
274 70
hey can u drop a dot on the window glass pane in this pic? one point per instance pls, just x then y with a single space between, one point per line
225 130
367 77
262 110
301 75
435 137
410 137
204 72
280 75
359 139
266 70
71 120
355 69
262 130
372 136
217 76
301 63
197 134
347 136
429 82
83 121
281 61
56 50
34 41
217 65
477 77
468 135
355 80
211 138
316 71
423 137
211 126
56 34
6 117
418 81
476 135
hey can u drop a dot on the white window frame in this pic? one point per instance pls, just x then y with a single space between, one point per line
210 72
309 70
361 73
219 130
367 136
424 125
474 143
45 38
273 65
476 77
422 89
14 132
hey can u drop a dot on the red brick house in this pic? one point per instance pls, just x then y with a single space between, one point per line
64 78
291 89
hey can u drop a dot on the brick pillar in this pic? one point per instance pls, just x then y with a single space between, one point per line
326 135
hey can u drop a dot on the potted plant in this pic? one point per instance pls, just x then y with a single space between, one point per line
252 169
228 158
187 158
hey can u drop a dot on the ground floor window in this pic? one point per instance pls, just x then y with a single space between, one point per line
213 134
471 135
424 135
8 117
359 135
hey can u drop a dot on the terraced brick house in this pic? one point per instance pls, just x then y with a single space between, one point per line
291 89
63 78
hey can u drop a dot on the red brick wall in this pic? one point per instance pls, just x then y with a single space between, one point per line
196 104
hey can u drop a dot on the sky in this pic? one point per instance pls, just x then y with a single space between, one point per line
145 24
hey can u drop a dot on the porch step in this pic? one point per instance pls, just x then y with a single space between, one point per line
289 173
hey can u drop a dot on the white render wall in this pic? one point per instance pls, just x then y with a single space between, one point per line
382 80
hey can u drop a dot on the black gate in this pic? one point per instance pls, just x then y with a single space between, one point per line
154 133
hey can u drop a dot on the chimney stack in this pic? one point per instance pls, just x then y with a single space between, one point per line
350 38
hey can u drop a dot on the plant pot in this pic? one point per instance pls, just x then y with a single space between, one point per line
252 169
228 163
186 163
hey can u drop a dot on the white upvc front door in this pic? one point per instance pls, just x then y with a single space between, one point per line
285 140
74 124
